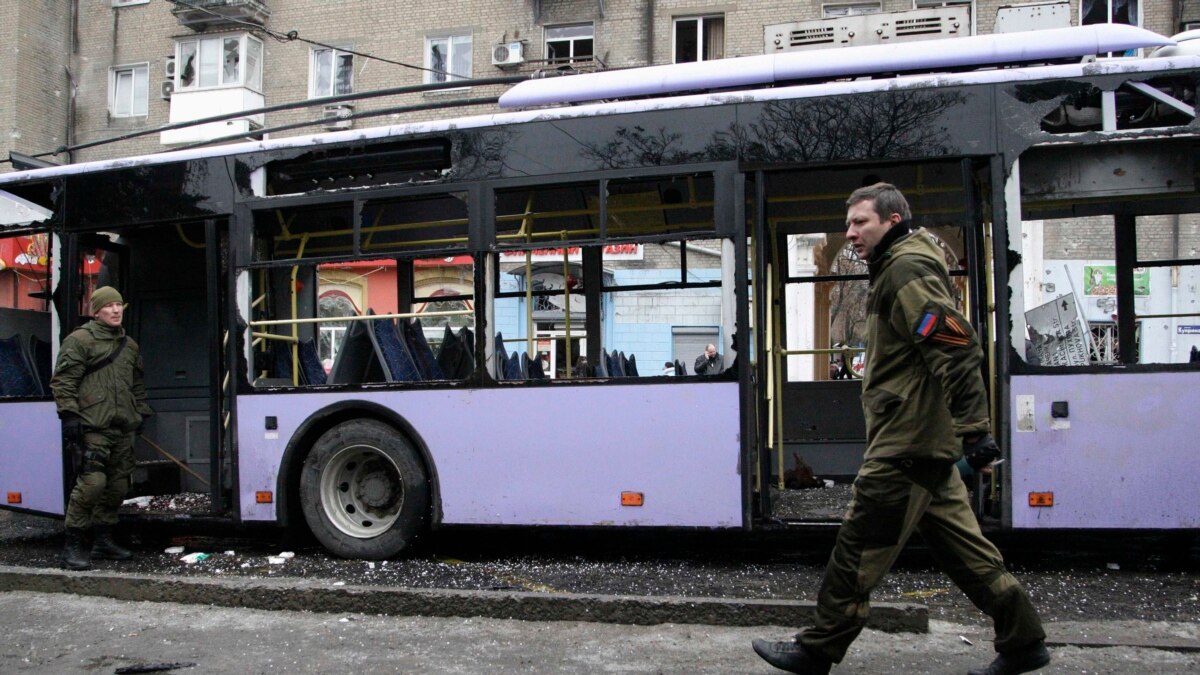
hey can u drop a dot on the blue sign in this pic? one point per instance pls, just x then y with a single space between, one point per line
1188 330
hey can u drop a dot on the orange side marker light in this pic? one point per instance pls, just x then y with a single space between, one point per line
14 498
1041 499
264 497
632 499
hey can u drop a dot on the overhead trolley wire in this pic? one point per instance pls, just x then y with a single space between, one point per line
312 102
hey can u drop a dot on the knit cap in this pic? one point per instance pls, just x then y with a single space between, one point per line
103 296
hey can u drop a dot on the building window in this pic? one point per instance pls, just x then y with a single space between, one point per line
699 38
224 61
123 3
128 87
1110 11
331 73
924 4
566 44
850 9
448 58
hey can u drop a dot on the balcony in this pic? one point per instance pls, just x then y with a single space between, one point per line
193 105
204 15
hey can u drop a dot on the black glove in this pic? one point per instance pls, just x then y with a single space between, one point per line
980 451
72 428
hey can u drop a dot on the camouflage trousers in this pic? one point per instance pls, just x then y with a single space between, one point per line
892 499
103 478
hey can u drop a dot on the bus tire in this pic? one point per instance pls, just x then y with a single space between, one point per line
364 490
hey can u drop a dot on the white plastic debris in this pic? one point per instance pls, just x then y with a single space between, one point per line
339 583
173 549
1114 566
194 558
140 502
245 565
964 639
828 482
343 620
371 565
276 560
286 555
230 553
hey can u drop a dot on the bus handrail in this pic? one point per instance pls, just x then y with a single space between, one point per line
360 317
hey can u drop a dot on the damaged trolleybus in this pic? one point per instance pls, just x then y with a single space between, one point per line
494 320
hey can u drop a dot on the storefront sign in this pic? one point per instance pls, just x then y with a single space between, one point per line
574 254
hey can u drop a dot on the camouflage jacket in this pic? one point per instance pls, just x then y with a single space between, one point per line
113 396
923 387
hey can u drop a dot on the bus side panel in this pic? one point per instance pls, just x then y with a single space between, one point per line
31 457
558 455
1124 456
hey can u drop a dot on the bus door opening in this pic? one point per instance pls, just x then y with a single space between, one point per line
165 274
814 433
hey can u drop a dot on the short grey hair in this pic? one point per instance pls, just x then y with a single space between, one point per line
887 198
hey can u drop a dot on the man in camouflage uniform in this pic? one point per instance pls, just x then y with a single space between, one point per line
97 385
926 406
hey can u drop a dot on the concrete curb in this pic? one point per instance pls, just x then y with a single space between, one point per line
304 595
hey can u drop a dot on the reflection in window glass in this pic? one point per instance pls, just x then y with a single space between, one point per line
548 213
230 61
416 223
254 64
448 58
187 64
304 233
668 204
25 317
210 59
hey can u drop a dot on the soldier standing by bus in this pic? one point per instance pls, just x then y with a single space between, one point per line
101 400
926 406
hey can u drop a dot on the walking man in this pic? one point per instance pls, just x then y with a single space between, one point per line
926 406
101 400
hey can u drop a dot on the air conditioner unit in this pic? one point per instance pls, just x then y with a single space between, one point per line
508 54
169 68
337 116
165 89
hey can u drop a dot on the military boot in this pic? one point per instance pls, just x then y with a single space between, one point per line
105 547
75 553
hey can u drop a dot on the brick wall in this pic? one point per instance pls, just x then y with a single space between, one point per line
34 95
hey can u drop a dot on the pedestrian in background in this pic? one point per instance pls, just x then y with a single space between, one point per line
708 363
101 401
926 406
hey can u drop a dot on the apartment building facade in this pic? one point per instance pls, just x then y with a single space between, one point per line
85 71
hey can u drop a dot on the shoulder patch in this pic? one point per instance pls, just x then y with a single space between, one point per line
943 326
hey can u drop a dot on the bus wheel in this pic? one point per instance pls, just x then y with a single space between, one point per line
364 491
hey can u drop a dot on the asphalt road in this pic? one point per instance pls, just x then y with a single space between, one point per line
1143 616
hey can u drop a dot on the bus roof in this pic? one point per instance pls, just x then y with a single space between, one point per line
835 62
799 91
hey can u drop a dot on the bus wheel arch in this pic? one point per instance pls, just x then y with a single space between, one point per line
361 480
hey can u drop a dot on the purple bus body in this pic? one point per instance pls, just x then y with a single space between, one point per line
1125 456
558 455
31 462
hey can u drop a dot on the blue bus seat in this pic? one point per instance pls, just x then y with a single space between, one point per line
15 378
